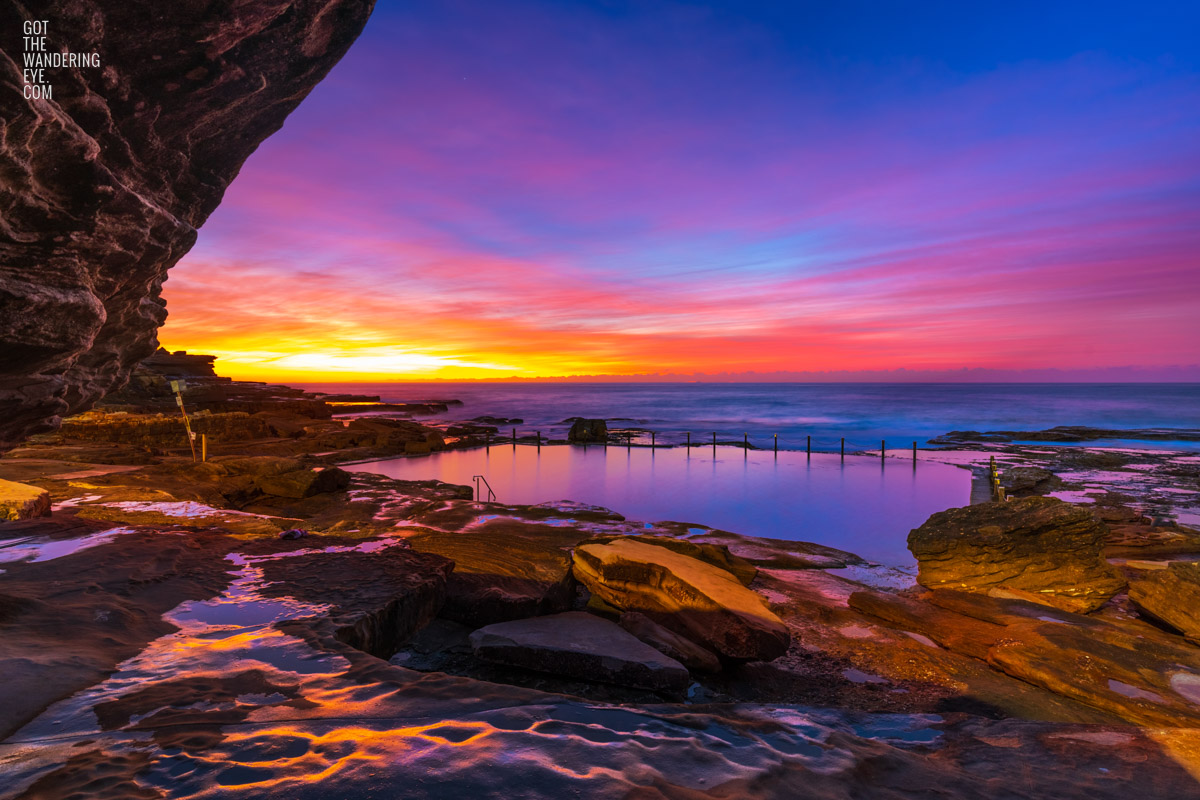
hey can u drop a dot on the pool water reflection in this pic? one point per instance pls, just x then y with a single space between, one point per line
862 504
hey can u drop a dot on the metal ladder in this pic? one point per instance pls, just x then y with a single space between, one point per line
478 490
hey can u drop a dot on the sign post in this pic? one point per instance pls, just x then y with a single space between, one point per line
177 387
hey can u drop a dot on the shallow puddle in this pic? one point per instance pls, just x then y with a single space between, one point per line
42 548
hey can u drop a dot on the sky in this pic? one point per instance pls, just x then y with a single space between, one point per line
540 189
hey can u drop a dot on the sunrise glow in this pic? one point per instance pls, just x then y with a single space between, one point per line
483 191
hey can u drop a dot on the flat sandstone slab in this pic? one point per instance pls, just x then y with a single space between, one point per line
579 645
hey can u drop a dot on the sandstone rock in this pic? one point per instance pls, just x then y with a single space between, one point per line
1142 681
956 632
697 600
1171 596
106 183
597 606
670 644
529 574
303 483
1037 545
770 553
378 600
21 501
586 431
579 645
716 554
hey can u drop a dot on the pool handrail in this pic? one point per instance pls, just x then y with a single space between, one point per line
478 491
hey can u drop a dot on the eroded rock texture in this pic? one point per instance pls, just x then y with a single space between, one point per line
1171 596
1038 548
695 599
103 187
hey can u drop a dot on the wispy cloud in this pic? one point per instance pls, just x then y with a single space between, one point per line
549 192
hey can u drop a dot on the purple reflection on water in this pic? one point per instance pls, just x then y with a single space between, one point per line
863 505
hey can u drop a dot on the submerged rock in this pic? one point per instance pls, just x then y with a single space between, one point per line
698 600
1171 596
21 501
579 645
1036 548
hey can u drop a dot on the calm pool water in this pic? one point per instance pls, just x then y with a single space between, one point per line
860 505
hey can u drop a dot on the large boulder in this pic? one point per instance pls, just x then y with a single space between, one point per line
586 431
579 645
106 183
1036 548
21 501
1171 596
695 599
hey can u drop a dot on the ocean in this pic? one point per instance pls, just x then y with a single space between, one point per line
862 413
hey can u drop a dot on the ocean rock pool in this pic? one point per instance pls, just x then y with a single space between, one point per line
862 504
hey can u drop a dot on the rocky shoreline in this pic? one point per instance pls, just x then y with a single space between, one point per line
172 617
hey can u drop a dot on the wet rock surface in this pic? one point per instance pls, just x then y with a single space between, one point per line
270 675
1171 596
262 686
65 622
1040 548
579 645
1148 497
393 593
108 182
